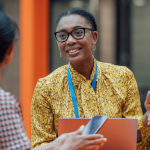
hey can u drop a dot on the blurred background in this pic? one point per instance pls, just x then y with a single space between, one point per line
124 38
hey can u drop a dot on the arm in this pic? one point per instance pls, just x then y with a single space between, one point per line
132 106
42 129
45 147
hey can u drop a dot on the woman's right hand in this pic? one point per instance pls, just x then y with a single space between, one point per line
76 141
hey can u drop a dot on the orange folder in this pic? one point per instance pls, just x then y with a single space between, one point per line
121 133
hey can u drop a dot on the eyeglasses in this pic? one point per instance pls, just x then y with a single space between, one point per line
79 33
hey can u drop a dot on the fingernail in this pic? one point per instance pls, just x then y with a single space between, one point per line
82 127
100 135
105 139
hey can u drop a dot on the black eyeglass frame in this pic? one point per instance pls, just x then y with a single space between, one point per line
71 34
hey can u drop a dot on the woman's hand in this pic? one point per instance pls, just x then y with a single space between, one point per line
146 119
76 141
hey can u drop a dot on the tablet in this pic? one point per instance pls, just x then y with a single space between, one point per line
121 133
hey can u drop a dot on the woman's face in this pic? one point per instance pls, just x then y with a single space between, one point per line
76 51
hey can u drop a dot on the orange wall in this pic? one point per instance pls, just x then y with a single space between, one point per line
34 61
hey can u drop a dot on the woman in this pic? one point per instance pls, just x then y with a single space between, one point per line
12 131
84 87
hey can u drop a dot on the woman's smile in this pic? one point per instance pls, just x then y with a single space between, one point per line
73 51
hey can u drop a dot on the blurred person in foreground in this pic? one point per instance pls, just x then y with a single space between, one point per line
84 87
12 130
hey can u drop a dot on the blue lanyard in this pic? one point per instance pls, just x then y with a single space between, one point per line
72 90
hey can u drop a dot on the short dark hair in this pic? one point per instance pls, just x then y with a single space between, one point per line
8 29
79 11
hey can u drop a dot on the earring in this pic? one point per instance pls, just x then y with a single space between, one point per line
60 54
93 48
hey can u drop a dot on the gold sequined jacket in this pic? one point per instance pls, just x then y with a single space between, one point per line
116 96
